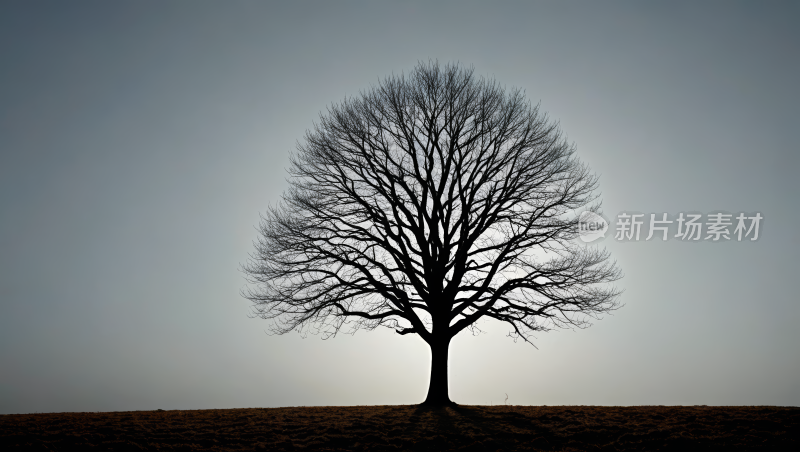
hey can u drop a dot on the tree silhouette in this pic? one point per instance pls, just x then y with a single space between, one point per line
428 202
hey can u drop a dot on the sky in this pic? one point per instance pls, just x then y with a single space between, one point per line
141 141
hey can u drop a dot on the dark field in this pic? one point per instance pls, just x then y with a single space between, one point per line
411 428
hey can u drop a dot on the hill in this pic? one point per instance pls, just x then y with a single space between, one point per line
411 427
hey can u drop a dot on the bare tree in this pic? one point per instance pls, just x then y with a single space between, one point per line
426 203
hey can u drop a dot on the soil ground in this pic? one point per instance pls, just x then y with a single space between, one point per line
396 428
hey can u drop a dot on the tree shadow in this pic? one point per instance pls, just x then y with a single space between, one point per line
480 428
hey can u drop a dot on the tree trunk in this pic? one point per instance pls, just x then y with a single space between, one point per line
438 393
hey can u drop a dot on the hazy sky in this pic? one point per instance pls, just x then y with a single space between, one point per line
139 141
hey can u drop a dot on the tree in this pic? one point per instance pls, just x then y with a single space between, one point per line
426 203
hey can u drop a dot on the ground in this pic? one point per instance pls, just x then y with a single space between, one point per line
396 428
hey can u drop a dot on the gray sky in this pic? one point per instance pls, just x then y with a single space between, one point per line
139 142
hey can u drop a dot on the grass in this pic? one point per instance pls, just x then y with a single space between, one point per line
396 428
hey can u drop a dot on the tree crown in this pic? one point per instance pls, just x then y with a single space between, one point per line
428 202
